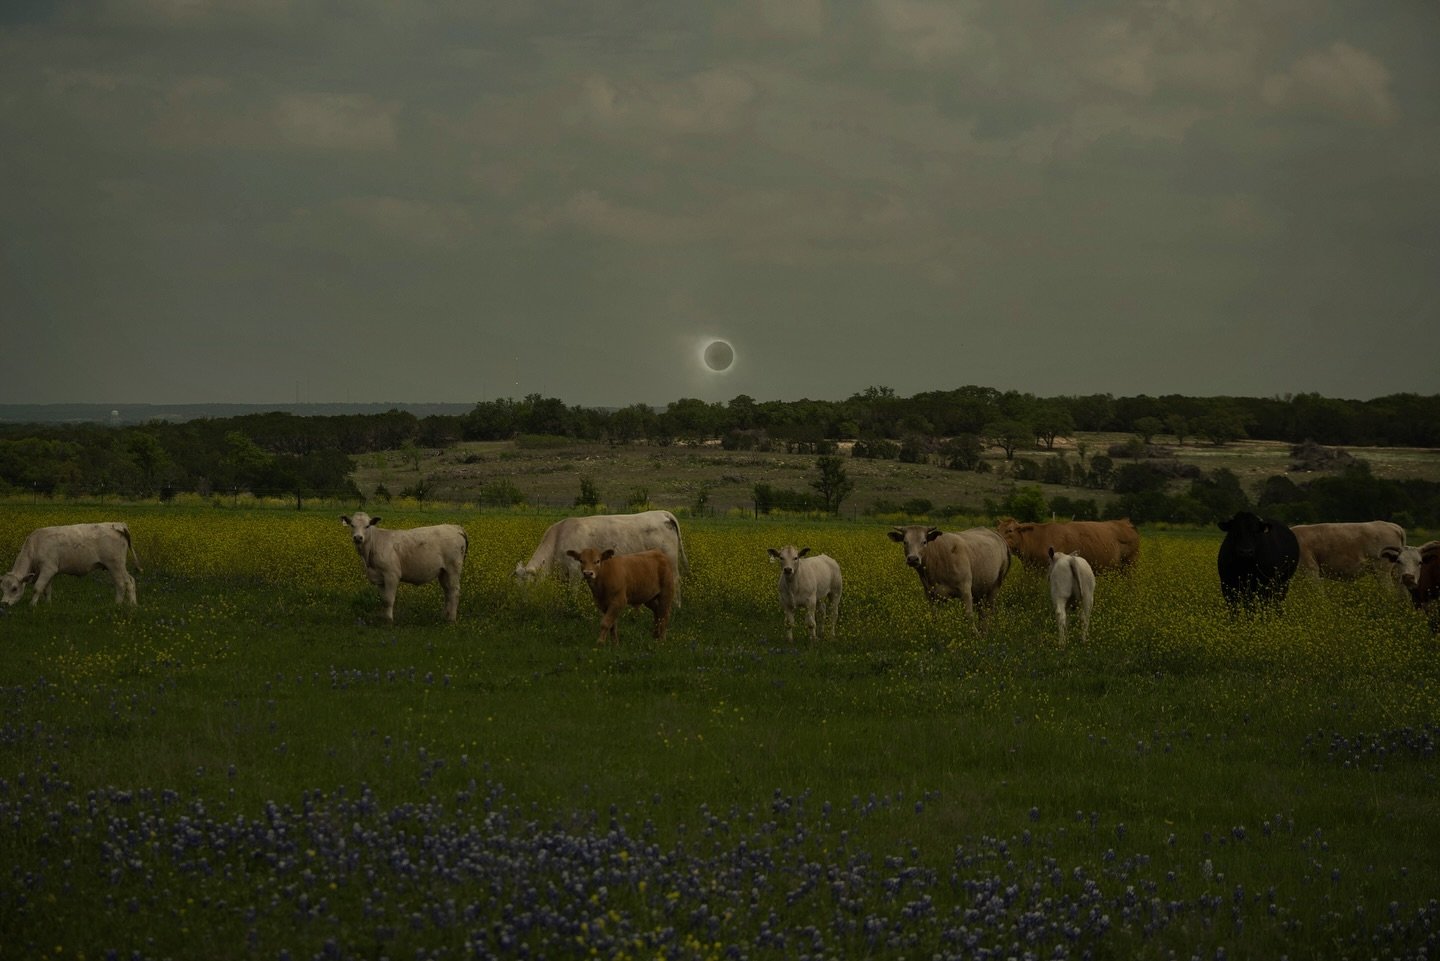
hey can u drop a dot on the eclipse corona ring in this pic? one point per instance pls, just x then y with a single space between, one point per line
719 355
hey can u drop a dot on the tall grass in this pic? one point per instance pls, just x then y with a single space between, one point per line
251 764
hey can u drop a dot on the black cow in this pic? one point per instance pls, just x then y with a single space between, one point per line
1257 559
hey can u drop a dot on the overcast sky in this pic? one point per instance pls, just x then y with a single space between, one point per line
273 200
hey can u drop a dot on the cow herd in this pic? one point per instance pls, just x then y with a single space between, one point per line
637 560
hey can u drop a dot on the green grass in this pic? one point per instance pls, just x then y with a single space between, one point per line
1266 785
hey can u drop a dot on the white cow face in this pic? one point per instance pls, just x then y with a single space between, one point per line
359 524
914 537
787 557
12 588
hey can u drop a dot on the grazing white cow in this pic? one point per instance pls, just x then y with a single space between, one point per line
970 565
622 533
71 549
809 581
1072 581
415 556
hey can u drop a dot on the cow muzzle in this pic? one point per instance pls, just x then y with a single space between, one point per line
913 560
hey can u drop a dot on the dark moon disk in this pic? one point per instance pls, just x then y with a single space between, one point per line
719 355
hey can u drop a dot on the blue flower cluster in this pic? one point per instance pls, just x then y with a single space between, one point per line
343 874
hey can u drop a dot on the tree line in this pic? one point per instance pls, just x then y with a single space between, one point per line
307 456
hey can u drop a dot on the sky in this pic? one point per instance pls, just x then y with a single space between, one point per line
277 201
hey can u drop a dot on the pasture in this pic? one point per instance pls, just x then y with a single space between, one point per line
252 764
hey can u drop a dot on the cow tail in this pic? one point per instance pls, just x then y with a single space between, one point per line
130 545
464 543
1076 591
680 549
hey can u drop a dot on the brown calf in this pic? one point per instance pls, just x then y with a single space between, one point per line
617 580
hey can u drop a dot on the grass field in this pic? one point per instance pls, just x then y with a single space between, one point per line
251 764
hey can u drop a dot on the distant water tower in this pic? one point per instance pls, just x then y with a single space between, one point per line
114 418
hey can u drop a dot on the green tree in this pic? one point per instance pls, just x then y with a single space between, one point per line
833 485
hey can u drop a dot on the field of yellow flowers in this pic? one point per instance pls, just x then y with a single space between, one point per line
251 763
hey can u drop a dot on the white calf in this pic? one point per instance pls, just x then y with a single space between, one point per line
416 556
1072 581
807 581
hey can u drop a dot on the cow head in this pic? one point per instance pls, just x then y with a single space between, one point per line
1244 532
914 537
788 558
359 524
1407 562
590 560
1011 529
12 588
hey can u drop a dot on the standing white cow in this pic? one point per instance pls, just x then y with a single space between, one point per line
415 556
809 581
1072 581
622 533
1346 550
969 565
71 549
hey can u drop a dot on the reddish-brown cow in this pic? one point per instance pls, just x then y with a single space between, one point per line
1107 545
619 580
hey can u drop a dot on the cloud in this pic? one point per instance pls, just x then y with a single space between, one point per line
336 121
409 220
710 102
1340 79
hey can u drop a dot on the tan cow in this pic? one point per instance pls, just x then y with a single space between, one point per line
1107 545
969 565
71 549
1346 550
415 556
619 580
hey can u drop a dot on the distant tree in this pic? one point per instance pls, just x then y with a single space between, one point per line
1178 425
1025 504
1221 426
1009 435
833 484
1147 428
1051 420
963 452
589 495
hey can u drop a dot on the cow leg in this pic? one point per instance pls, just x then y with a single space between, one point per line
1086 602
451 584
610 624
388 586
789 624
124 583
43 581
1060 619
810 619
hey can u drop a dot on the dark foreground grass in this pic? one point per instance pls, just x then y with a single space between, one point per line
241 768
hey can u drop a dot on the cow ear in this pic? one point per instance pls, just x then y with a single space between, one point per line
1051 551
1430 551
1391 554
803 552
374 522
574 554
344 520
896 535
933 533
774 554
608 553
30 578
1224 525
1022 528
